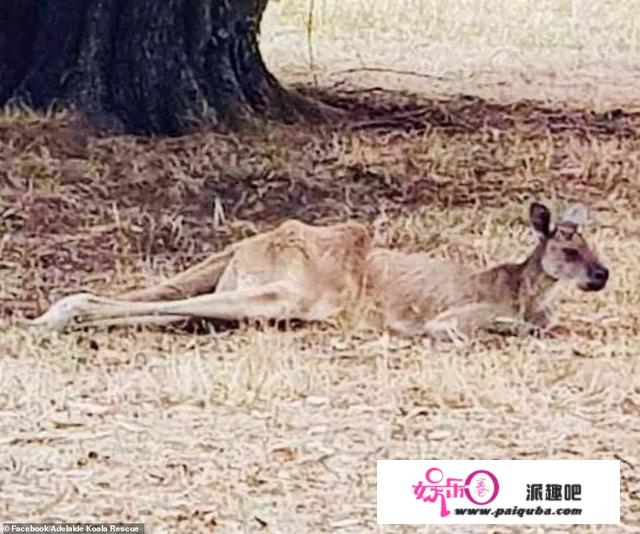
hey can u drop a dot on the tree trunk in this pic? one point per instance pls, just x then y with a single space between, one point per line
144 66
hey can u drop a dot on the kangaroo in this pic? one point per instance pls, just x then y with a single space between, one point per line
418 294
311 273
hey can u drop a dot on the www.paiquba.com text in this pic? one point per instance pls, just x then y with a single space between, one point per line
518 511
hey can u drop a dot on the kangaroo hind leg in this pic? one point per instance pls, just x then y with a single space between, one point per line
198 279
277 300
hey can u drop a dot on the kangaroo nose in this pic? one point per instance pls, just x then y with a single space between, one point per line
599 274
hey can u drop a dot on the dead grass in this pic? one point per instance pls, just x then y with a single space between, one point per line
566 51
253 429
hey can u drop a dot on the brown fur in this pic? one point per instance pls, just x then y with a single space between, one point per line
311 273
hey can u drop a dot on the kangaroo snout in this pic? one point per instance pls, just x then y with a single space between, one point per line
598 276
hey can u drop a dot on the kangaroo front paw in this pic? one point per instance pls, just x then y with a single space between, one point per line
446 331
543 319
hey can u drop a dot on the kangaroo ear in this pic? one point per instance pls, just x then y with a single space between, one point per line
577 214
540 218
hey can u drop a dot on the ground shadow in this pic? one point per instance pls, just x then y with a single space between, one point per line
76 207
383 109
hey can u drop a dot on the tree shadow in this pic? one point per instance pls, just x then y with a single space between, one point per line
386 110
76 205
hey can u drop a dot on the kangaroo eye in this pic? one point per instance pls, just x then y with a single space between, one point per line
571 254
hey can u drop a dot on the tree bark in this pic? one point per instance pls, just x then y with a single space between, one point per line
144 66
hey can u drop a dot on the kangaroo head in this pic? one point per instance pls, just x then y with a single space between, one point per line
565 255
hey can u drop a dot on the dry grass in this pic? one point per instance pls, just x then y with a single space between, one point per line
563 50
253 429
